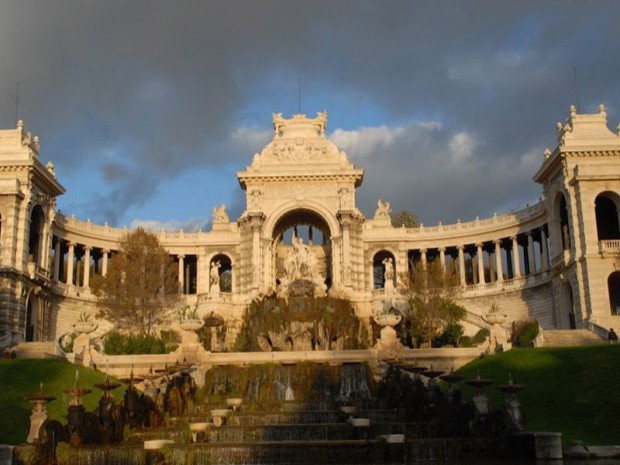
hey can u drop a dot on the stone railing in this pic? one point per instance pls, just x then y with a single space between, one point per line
88 228
224 297
37 271
526 214
609 246
597 329
470 290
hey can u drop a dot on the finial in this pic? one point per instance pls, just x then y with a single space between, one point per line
602 110
20 124
573 110
547 153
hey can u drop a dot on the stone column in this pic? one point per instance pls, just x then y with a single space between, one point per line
105 253
256 221
531 258
182 271
423 258
57 250
336 254
498 261
515 255
70 263
442 257
474 270
462 265
86 280
544 252
345 223
480 258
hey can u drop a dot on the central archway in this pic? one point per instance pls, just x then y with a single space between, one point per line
306 229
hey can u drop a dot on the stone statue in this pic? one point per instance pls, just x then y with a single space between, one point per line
214 275
278 122
301 263
321 122
383 209
219 213
388 274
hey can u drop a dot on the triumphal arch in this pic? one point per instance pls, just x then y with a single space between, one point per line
301 233
301 180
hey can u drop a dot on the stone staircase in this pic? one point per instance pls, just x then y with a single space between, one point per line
293 433
569 338
43 349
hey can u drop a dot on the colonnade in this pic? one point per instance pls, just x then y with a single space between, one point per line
75 263
485 262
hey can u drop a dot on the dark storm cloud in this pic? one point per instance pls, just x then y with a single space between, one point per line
160 87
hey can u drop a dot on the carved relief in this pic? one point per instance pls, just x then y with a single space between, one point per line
346 198
254 198
300 151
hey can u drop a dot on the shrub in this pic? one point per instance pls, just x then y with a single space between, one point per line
477 339
450 336
129 344
524 332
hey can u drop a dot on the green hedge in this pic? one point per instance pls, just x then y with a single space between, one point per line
128 344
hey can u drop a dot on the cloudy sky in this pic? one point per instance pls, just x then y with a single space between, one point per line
148 108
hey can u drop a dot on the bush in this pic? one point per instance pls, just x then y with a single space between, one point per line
130 344
450 336
524 332
477 339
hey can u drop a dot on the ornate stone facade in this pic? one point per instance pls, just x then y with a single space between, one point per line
556 261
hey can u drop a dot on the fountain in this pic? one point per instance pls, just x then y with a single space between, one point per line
39 403
512 404
326 409
77 426
110 415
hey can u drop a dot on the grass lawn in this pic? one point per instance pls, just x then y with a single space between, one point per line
18 378
574 390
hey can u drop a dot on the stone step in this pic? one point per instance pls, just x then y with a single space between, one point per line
356 451
40 349
570 338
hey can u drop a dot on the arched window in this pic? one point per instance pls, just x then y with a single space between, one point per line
613 284
220 273
302 245
35 238
383 270
606 212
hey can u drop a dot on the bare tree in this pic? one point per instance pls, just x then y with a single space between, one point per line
140 286
430 291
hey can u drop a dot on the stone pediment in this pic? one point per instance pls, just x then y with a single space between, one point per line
299 143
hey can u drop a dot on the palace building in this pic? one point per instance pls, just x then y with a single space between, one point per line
557 261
